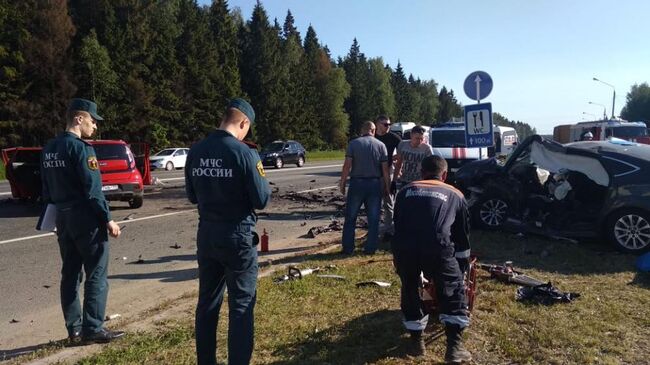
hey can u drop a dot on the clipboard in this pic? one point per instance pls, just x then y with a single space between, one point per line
47 219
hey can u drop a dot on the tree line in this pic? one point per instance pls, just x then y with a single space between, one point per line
163 71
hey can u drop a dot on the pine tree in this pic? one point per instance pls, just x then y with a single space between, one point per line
13 81
379 89
401 91
48 68
328 90
448 106
262 76
358 104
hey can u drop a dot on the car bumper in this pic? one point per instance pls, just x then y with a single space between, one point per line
269 160
121 192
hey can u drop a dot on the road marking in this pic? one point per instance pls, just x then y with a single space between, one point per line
118 222
310 190
267 171
9 193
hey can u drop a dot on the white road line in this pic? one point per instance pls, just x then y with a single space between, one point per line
9 193
310 190
268 171
118 222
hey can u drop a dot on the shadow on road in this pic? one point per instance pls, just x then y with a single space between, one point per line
13 208
173 276
21 351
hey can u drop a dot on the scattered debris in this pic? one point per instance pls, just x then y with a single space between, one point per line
47 286
545 294
303 224
140 260
156 181
312 180
128 217
381 284
176 246
331 276
508 274
112 317
296 273
124 258
14 321
315 231
271 183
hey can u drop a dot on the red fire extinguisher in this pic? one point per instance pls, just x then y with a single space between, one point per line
265 242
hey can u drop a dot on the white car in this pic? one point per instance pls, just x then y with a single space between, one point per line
169 159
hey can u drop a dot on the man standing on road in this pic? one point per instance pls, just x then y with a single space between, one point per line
432 237
71 181
410 154
391 141
366 161
227 181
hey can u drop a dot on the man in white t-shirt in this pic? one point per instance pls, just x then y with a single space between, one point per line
410 154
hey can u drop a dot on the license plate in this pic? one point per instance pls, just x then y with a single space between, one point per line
109 187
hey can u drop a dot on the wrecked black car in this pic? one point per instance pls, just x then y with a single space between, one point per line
578 190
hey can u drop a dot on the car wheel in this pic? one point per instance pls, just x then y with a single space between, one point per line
279 163
490 212
169 166
301 161
629 230
136 202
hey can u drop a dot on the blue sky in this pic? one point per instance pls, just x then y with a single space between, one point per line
541 54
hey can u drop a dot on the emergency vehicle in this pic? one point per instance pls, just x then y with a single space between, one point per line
602 130
449 139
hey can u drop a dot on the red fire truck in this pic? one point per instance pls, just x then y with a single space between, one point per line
602 130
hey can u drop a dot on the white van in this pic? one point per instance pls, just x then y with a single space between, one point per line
449 139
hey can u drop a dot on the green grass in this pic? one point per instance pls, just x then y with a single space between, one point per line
323 321
325 155
2 171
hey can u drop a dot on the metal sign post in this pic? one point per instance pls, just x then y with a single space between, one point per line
478 118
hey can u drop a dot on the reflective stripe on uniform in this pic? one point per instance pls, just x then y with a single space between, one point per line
462 254
462 321
418 325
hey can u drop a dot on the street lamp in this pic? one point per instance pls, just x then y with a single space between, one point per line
593 115
604 109
613 97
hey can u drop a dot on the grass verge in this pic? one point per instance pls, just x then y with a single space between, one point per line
2 172
325 155
326 321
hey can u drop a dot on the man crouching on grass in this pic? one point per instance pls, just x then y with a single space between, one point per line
432 236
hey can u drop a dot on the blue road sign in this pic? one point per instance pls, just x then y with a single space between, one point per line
478 125
478 85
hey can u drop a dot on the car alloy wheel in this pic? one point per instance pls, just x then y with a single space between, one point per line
169 166
493 212
631 232
301 161
279 163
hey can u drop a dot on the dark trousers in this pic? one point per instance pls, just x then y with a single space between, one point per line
83 243
442 267
226 259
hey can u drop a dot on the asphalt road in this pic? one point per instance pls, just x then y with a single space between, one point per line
162 233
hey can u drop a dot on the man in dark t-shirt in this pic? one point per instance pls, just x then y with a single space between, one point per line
391 140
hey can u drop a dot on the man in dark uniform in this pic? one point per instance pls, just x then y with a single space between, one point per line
432 236
71 181
226 178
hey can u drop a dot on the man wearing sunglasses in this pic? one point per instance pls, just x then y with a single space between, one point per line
391 140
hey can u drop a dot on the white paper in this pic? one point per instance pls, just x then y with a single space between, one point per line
47 220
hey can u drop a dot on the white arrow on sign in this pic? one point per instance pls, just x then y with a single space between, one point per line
478 80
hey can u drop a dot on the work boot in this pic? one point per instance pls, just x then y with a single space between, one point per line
456 353
416 346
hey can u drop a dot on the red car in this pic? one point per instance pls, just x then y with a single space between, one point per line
124 173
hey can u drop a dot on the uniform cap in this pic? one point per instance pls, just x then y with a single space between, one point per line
85 105
244 107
